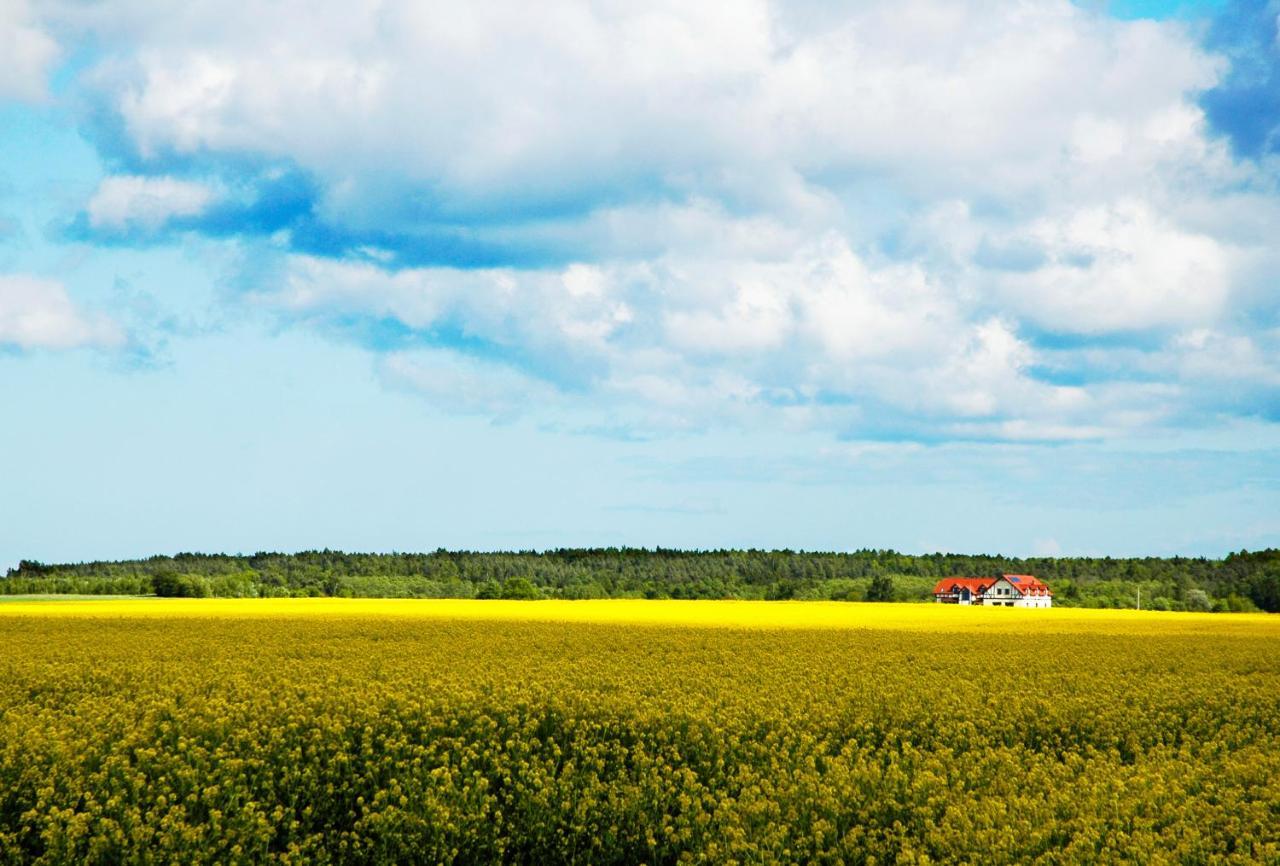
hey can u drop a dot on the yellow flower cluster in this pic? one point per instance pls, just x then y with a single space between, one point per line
633 732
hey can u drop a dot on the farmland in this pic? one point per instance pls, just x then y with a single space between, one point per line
369 731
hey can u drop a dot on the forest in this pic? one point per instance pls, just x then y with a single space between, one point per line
1238 582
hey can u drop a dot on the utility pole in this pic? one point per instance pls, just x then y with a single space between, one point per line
1139 598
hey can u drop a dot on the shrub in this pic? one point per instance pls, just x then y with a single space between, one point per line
1198 600
520 588
170 584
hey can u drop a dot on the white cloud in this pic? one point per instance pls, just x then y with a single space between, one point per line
578 308
36 313
1119 267
1216 356
28 51
126 201
490 103
846 216
690 341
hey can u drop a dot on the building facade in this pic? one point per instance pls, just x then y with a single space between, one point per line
1007 590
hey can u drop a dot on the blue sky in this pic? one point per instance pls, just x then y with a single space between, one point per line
927 275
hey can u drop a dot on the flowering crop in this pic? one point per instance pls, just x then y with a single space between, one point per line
634 732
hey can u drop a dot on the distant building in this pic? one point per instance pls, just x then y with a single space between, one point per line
961 590
1007 590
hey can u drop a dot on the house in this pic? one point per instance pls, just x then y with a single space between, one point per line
1007 590
961 590
1018 590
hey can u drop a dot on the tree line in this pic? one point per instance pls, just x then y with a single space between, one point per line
1240 581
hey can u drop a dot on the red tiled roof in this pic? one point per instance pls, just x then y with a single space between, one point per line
1023 584
1027 584
973 584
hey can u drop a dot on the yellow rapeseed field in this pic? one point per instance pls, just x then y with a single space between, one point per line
365 731
700 614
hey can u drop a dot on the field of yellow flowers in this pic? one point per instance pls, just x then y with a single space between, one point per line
331 731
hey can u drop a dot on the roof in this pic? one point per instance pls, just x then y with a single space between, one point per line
1027 584
1023 584
973 584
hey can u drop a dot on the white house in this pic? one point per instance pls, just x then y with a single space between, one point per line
1007 590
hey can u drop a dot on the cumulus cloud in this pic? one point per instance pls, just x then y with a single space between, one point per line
502 106
125 201
36 313
28 51
881 218
1118 267
811 339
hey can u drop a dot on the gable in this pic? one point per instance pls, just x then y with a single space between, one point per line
1026 584
1002 583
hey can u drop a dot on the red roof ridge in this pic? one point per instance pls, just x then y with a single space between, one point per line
970 583
1025 584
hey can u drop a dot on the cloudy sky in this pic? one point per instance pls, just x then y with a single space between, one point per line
922 274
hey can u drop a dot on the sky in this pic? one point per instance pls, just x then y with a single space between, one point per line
984 277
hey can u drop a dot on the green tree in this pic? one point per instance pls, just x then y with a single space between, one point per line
1265 590
519 588
167 584
881 588
1198 600
170 584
